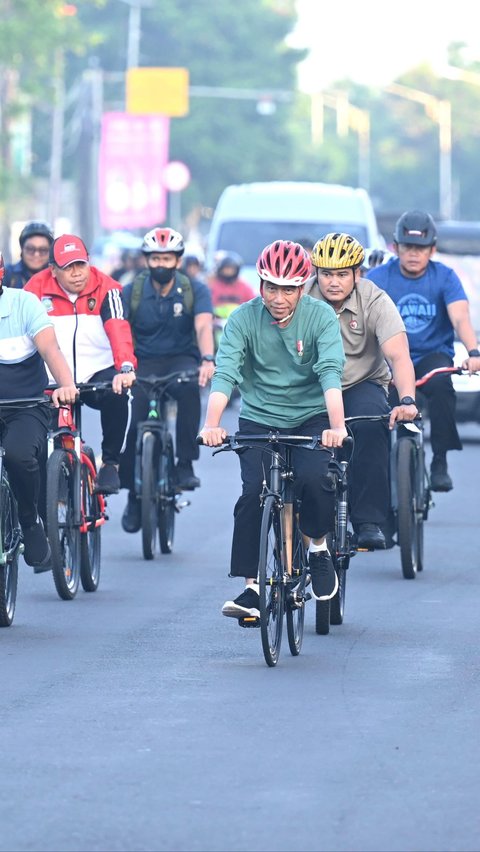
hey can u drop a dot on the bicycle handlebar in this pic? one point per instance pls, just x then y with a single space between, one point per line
161 381
308 441
24 402
84 386
437 371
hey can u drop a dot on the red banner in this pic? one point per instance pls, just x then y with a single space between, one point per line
133 155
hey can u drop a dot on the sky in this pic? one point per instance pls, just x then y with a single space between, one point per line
373 42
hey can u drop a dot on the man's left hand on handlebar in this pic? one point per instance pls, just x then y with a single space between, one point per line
402 412
205 373
64 395
123 381
472 364
334 437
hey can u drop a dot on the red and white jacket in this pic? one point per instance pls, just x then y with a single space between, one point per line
91 330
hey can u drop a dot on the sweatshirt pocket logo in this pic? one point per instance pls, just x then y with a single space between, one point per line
91 304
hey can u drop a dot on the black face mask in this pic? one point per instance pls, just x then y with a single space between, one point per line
228 279
162 274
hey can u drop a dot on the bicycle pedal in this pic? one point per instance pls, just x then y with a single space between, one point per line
181 504
308 596
249 621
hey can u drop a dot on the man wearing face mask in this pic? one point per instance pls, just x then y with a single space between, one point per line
171 321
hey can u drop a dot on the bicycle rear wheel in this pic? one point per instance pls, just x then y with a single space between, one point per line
166 497
270 579
295 610
91 541
148 497
406 520
11 536
63 535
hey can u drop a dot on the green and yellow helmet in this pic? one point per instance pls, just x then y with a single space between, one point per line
337 251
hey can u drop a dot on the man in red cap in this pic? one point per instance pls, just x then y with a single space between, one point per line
86 308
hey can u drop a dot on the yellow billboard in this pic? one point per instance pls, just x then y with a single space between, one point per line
157 91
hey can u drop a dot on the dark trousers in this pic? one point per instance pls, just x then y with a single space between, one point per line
187 396
369 490
312 486
114 411
25 443
441 399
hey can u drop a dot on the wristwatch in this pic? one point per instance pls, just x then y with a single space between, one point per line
127 368
474 353
210 358
407 400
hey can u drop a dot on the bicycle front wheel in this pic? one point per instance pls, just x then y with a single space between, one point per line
90 541
149 503
407 528
271 582
295 609
10 532
63 535
337 603
166 497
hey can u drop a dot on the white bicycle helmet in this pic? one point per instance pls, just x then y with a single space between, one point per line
163 240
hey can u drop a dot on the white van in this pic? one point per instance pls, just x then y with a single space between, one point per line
250 216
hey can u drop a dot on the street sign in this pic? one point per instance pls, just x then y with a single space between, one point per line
157 91
176 176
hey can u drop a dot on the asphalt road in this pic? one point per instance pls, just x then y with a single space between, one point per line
137 718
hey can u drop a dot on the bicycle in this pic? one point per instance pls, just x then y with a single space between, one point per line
75 513
155 482
283 561
11 540
411 495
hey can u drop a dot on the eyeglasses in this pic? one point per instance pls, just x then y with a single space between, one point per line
33 250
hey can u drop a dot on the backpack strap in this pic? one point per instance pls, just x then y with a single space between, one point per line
187 290
136 297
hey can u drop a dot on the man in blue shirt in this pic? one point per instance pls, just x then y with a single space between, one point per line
434 308
27 340
171 319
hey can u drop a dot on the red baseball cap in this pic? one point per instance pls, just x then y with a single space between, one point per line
68 249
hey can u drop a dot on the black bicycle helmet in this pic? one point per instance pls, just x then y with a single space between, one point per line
36 229
226 259
416 228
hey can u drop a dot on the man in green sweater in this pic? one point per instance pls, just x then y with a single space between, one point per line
285 354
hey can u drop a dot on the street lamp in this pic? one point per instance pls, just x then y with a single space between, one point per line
441 112
348 116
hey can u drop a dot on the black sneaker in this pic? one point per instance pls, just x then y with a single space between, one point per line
370 537
247 604
323 574
132 516
37 551
439 476
186 479
108 480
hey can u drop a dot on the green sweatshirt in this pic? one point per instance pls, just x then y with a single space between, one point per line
281 372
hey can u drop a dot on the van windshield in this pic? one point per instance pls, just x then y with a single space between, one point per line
248 239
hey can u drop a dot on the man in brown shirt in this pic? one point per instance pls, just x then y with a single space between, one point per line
376 350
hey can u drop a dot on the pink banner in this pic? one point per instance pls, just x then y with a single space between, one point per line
133 154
